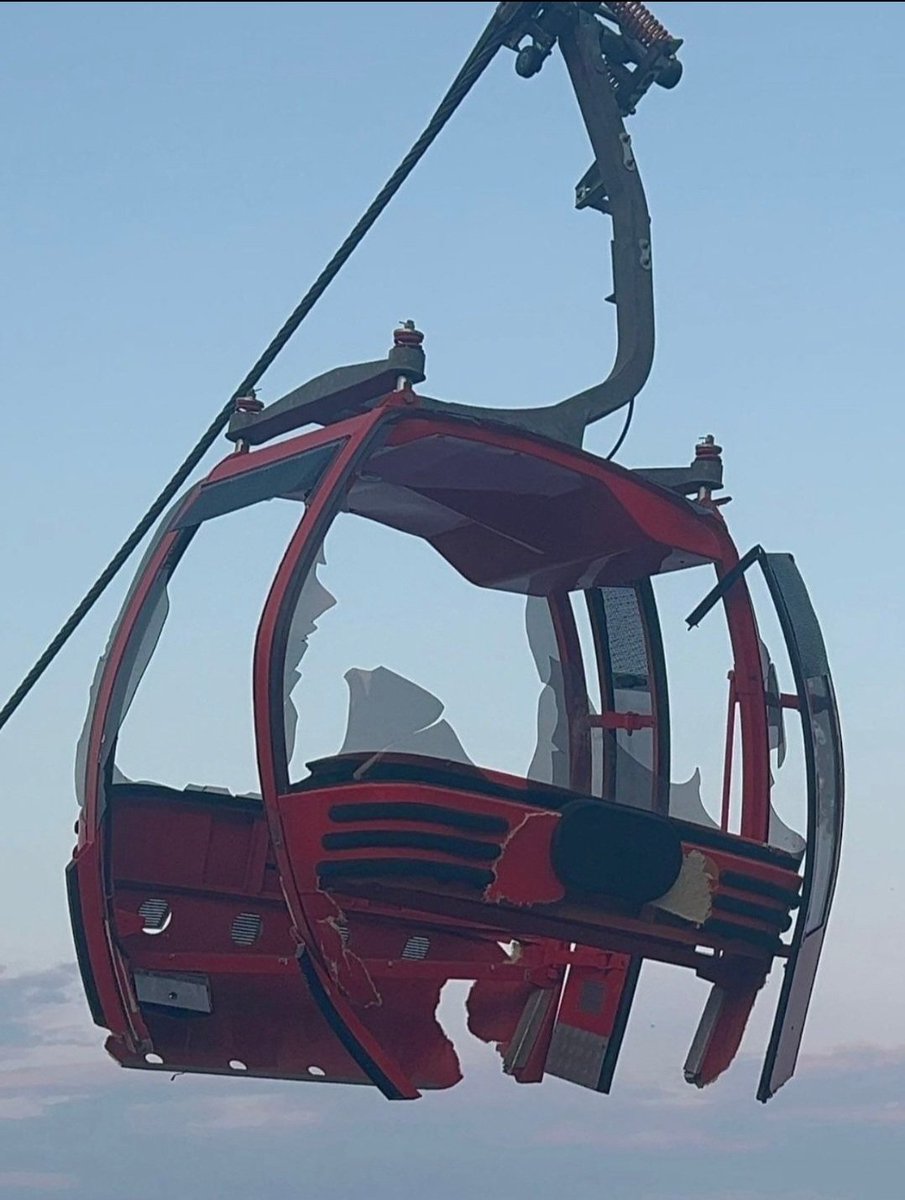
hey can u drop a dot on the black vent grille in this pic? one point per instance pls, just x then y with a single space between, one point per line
416 948
246 929
156 915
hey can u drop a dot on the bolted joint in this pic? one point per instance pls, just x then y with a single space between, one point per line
707 448
407 335
708 464
249 403
407 354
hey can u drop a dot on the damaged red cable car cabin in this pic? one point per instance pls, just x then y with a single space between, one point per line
307 932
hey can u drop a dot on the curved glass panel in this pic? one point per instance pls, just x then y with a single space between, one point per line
391 652
551 762
191 722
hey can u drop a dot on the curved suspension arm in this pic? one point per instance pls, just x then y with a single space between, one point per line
606 91
620 194
613 53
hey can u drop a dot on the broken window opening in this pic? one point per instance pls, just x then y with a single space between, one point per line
186 715
391 651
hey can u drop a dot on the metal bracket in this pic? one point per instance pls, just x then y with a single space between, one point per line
184 991
729 580
686 481
334 396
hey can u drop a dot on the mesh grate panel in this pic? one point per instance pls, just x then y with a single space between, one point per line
625 634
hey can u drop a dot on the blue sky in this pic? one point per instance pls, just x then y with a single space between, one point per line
174 177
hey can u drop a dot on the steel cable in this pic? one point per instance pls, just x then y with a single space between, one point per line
478 60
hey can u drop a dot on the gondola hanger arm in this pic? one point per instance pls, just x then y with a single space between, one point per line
613 54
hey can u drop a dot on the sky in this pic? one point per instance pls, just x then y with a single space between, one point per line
175 175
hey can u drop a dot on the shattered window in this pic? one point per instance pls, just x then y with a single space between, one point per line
697 666
182 708
392 652
551 762
190 721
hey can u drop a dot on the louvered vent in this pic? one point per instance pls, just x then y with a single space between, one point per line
155 914
246 929
416 948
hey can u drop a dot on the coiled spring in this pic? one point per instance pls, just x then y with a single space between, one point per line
639 22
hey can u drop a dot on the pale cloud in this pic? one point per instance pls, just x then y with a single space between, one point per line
854 1056
63 1103
746 1194
658 1139
269 1112
50 1054
24 1108
203 1113
36 1181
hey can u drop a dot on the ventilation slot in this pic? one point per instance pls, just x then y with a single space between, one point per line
156 916
246 929
416 948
